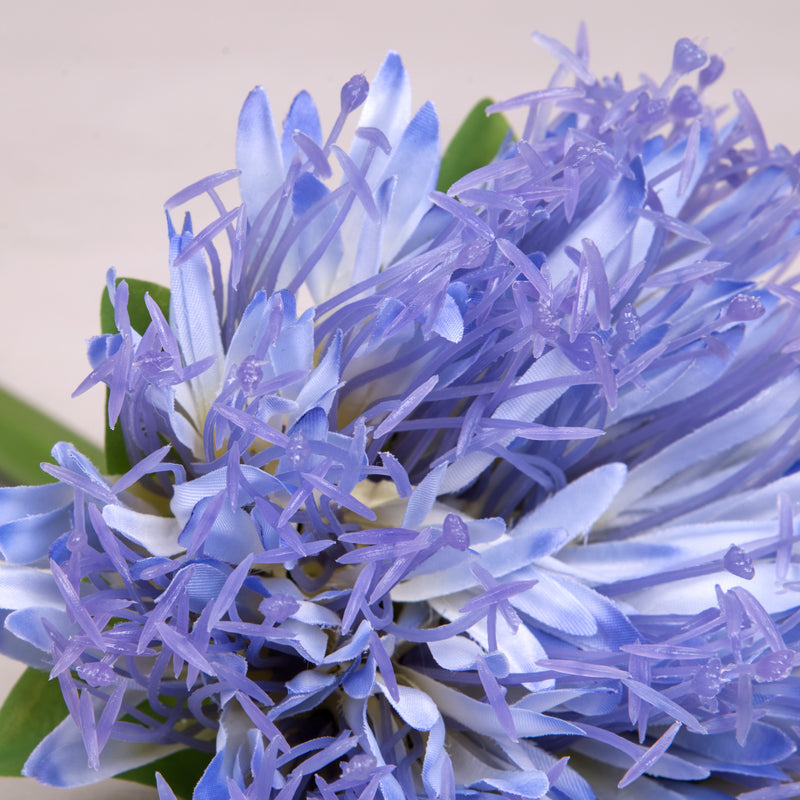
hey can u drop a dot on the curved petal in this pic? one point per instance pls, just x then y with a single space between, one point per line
25 540
60 758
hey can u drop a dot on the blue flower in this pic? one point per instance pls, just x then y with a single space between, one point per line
484 493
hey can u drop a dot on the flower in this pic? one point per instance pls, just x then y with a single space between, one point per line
466 494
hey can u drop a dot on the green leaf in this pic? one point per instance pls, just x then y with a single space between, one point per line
474 145
117 460
27 436
32 709
180 770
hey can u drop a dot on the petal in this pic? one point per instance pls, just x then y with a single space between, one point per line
530 406
27 624
607 226
60 758
158 535
303 117
388 108
415 162
258 153
415 707
12 646
21 501
193 317
765 745
25 540
738 427
318 389
317 233
578 506
21 587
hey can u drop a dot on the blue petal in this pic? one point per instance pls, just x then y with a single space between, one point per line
308 193
258 153
765 744
27 624
360 683
294 348
12 646
607 226
475 715
213 783
388 108
20 501
60 758
449 322
303 117
527 784
28 539
578 506
320 385
193 318
415 162
415 707
552 364
501 557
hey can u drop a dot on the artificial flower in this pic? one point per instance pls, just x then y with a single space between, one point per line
484 492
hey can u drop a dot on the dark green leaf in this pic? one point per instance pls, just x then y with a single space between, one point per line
474 145
32 709
180 770
117 460
27 436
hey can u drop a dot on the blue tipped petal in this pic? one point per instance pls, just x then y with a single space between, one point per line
258 153
415 162
387 108
302 117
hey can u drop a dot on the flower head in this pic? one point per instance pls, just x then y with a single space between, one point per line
430 489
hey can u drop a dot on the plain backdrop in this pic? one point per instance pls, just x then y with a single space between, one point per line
108 108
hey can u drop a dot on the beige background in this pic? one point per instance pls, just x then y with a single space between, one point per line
108 108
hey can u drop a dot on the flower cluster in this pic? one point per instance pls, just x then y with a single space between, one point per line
485 492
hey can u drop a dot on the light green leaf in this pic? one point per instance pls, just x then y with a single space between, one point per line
116 459
32 709
474 145
27 436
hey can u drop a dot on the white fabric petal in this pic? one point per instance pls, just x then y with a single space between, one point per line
158 535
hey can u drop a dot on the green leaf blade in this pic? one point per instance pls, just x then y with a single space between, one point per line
27 436
474 145
181 771
32 709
